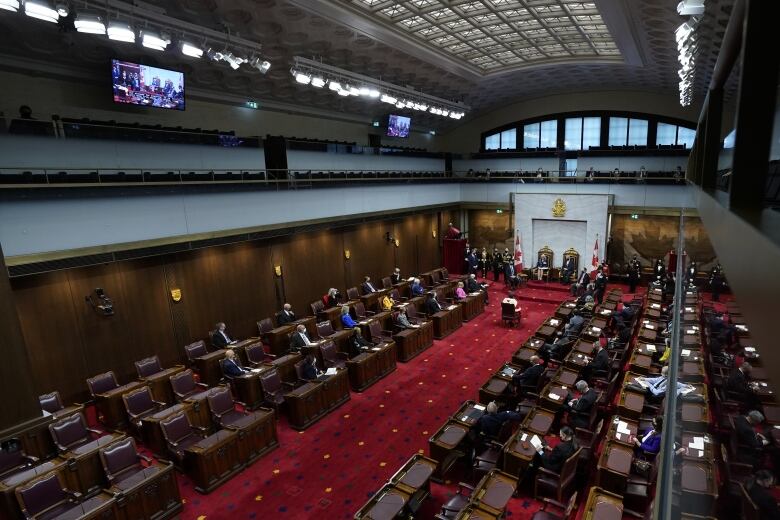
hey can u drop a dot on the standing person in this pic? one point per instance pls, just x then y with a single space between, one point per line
496 262
471 260
634 272
659 270
600 286
483 262
716 282
507 258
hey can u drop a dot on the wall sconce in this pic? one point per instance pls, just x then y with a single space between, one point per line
389 237
278 270
397 242
347 254
434 233
176 294
101 303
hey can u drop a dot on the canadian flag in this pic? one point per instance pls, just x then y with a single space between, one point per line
595 261
518 252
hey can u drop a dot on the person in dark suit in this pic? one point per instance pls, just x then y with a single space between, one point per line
601 286
219 338
395 278
471 261
580 406
231 367
286 316
484 259
667 287
510 276
583 280
738 384
716 282
759 487
432 305
473 286
310 370
496 261
357 343
598 365
659 270
299 339
489 425
367 286
554 459
567 270
747 437
634 272
530 376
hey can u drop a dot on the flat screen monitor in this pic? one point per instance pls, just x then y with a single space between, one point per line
398 126
146 86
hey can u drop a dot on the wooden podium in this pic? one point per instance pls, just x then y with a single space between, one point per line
453 253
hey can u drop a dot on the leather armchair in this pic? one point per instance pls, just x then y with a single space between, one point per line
386 283
264 326
102 383
180 434
360 313
486 460
377 334
325 329
52 403
148 366
195 350
47 497
457 502
413 315
317 308
223 409
13 459
638 494
121 461
71 432
556 485
274 389
184 385
395 295
561 511
589 415
353 293
140 404
331 357
509 314
256 354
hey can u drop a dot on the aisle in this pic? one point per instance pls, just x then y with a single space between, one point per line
332 468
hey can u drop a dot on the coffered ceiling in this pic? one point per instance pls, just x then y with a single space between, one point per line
486 53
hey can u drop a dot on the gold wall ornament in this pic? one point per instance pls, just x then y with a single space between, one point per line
559 208
397 242
176 294
278 270
434 233
347 254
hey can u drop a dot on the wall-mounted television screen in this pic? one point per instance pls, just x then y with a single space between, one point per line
146 86
398 126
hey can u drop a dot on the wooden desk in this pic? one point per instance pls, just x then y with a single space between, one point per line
9 507
764 391
533 343
493 492
84 471
160 384
538 421
473 306
603 505
414 478
653 314
469 413
285 367
647 349
691 439
150 493
640 363
388 503
443 446
248 388
447 321
692 371
565 309
239 348
213 460
584 347
546 332
631 404
494 389
576 361
304 405
613 467
152 433
333 315
698 486
522 357
617 430
207 367
695 417
371 300
553 396
410 342
278 339
335 389
565 377
256 435
370 366
599 322
591 332
518 454
111 409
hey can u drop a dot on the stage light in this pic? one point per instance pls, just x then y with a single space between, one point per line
89 24
363 91
152 40
41 10
386 98
343 92
317 82
62 9
354 91
400 104
9 5
690 8
302 77
335 86
191 50
233 61
120 32
373 93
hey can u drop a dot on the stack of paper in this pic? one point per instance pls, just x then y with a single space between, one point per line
596 329
523 437
685 352
651 327
479 407
330 372
536 442
651 348
554 322
256 370
376 349
554 397
622 427
655 305
750 349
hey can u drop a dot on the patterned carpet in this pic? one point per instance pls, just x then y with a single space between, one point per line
332 468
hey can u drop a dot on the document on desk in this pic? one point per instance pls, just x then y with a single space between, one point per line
685 352
255 370
331 371
554 397
536 442
651 348
479 407
641 382
451 307
376 349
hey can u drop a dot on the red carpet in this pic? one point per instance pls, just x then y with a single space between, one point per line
332 468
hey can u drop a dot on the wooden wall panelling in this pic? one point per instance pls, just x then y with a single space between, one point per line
490 229
370 253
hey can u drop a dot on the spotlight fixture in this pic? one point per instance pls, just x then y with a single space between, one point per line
191 50
41 10
153 40
335 86
120 32
302 78
317 82
690 8
100 302
62 9
9 5
262 66
89 24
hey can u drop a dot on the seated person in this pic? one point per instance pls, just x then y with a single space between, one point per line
650 442
510 275
745 429
452 232
220 339
386 302
367 286
460 293
432 305
489 425
567 270
310 370
332 298
581 405
395 278
530 376
542 265
599 366
402 320
299 338
575 324
230 366
473 286
553 459
357 343
655 386
286 316
759 487
582 282
417 289
552 350
346 319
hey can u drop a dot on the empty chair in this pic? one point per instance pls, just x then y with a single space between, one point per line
353 294
377 334
256 354
179 435
148 366
560 511
195 350
184 385
102 383
360 311
52 403
13 459
274 388
71 433
331 357
47 497
140 404
386 283
265 326
457 502
325 330
224 412
122 461
317 307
